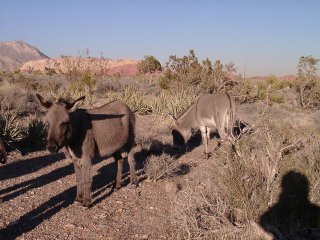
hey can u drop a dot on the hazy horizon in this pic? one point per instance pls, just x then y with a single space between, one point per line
261 38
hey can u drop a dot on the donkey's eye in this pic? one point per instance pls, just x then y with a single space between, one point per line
65 123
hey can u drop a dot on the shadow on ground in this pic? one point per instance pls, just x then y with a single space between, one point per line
102 183
104 179
20 168
293 216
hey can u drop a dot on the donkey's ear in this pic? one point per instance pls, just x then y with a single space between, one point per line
70 105
173 118
43 102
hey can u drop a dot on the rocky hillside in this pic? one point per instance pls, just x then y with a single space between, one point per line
14 54
103 66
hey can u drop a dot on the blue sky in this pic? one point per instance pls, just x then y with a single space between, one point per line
260 37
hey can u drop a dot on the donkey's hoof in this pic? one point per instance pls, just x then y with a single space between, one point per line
133 186
86 203
79 199
206 155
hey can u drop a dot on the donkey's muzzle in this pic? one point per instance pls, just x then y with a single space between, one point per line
53 148
177 147
3 160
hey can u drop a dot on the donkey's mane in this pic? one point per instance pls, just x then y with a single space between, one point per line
185 111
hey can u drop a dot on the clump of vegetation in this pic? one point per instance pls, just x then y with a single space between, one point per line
162 166
201 214
189 71
173 102
307 84
133 98
149 65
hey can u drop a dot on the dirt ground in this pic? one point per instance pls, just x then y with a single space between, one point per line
38 192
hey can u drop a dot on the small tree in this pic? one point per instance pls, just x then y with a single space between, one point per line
149 65
307 79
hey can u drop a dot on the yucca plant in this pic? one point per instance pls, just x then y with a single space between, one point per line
36 133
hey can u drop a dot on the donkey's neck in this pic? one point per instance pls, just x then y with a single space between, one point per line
187 119
81 125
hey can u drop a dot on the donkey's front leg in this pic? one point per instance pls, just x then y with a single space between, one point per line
86 181
77 170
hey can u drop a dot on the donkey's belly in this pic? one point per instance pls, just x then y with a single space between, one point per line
108 149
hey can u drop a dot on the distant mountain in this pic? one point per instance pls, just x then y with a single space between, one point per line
14 54
103 66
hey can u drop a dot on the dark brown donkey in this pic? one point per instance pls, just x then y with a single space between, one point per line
3 153
86 133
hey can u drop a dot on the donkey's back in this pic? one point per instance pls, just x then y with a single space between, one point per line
112 127
215 112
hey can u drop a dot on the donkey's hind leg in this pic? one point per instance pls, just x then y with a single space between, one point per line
119 165
204 136
132 164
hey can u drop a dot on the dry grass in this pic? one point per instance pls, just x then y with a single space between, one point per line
162 166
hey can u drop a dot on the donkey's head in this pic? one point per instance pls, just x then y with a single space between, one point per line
180 134
58 120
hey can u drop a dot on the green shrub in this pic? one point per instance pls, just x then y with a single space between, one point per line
149 65
164 83
277 98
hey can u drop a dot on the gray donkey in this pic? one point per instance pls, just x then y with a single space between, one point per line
86 133
209 112
3 153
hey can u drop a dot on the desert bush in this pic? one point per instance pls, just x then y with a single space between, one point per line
307 82
13 97
162 166
277 98
277 84
107 85
10 129
27 83
71 92
200 213
36 133
173 102
163 83
132 97
149 65
50 71
188 70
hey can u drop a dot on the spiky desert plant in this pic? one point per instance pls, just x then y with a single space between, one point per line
36 133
